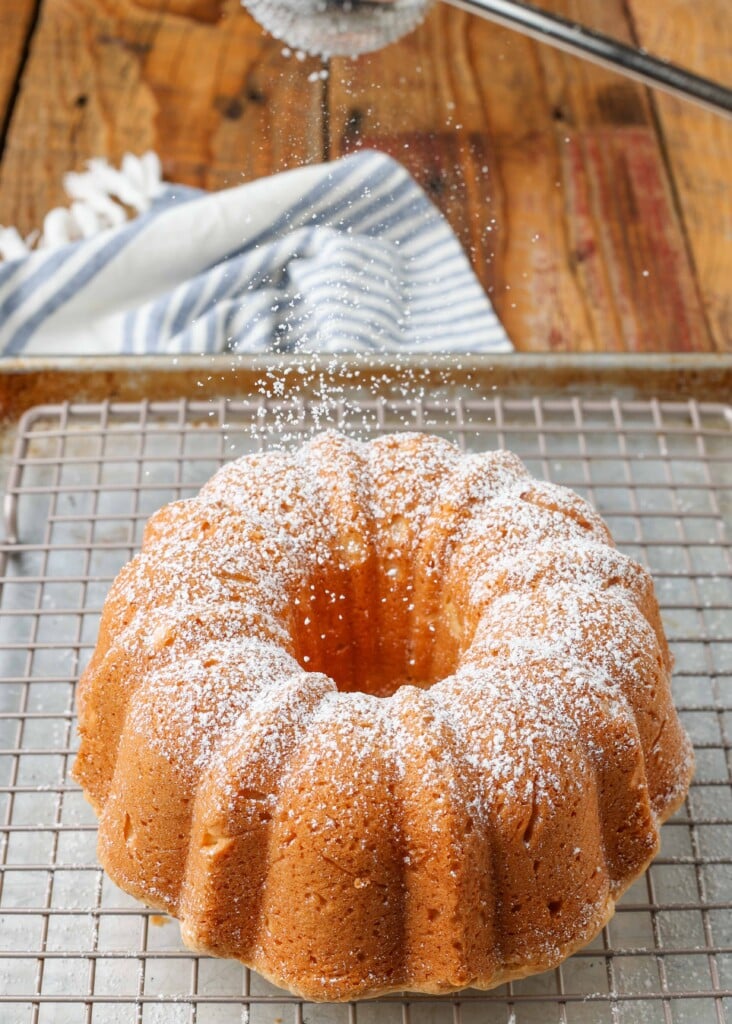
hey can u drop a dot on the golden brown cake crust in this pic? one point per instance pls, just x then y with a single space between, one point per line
381 716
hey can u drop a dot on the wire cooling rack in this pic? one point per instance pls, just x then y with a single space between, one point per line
83 481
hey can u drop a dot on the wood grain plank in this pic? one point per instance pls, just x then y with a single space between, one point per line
488 164
195 80
550 170
650 278
16 20
698 144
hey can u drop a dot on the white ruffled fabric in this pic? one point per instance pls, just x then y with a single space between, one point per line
99 197
349 256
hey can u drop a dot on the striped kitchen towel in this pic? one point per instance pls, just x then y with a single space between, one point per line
341 257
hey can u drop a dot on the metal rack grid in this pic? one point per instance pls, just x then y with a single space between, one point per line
83 481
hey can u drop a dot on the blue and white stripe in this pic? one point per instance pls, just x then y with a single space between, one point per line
349 256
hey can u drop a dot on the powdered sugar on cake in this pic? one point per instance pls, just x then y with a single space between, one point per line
433 671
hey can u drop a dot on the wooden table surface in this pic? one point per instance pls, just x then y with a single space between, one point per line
597 215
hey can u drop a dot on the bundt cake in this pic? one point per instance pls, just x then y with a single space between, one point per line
381 716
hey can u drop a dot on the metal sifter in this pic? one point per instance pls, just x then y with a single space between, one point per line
351 27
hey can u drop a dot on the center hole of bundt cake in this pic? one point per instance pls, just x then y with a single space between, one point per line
375 632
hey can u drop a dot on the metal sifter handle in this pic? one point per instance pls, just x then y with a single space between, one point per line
593 46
